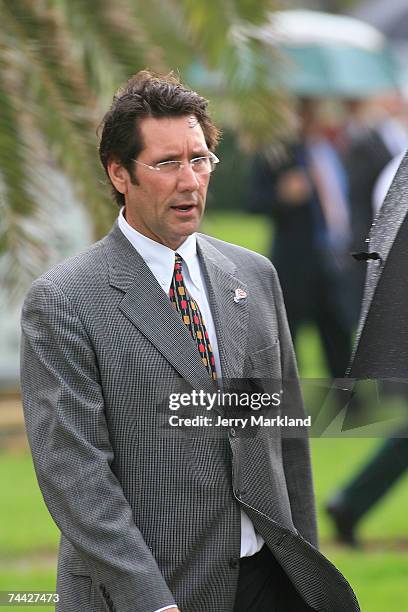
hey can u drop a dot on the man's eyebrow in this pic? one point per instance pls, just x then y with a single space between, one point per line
166 157
177 156
200 152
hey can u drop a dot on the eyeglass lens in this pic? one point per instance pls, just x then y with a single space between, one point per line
200 165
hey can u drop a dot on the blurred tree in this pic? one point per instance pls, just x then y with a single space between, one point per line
61 60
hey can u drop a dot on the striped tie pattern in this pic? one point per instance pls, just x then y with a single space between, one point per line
191 316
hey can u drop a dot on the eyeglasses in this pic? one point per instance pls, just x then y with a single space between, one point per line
199 165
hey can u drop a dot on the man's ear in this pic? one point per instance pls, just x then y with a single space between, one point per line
119 176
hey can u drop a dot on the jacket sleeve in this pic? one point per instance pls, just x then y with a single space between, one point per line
69 439
295 443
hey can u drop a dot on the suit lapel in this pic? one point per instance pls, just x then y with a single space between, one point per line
230 317
147 306
383 233
392 213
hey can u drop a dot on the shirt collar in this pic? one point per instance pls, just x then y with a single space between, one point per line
159 257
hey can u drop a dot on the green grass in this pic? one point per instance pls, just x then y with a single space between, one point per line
250 231
378 579
26 524
334 460
378 573
22 578
28 535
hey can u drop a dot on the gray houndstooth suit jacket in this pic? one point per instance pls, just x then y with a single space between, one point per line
149 519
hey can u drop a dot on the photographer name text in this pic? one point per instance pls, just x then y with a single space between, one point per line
252 421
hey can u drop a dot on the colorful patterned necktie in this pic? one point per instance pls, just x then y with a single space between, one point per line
191 316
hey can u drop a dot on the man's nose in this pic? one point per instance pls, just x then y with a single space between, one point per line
187 179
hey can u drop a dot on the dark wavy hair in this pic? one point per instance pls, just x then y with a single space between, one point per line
147 95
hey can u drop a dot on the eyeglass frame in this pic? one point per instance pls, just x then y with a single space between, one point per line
211 156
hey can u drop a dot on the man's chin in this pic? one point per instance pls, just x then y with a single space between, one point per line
183 234
187 226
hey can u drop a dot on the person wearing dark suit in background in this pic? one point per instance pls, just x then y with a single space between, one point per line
302 188
381 353
155 518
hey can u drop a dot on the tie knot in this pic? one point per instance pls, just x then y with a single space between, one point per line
178 261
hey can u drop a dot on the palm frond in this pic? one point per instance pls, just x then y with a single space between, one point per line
68 130
61 60
244 100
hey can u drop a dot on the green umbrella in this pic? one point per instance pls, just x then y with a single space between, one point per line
327 55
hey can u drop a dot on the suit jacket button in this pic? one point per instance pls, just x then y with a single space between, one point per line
238 494
234 563
232 432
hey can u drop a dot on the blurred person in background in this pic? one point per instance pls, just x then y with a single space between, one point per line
352 502
302 187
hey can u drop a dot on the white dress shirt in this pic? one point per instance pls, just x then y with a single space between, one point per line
160 260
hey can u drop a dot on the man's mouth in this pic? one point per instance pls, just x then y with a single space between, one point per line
184 207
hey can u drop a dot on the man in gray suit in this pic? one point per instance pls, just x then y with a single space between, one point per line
155 517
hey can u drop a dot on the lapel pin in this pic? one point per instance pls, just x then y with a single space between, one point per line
240 294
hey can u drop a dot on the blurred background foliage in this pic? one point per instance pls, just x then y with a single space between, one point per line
61 61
